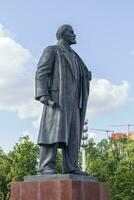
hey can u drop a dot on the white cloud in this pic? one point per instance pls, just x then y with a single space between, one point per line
106 96
4 32
16 77
30 109
13 60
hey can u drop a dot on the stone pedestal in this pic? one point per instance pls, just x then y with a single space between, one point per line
65 188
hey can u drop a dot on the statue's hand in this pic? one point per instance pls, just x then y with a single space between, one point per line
45 99
89 75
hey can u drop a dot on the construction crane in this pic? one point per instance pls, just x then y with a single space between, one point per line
103 130
127 125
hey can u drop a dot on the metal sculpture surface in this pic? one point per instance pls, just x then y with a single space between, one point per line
62 85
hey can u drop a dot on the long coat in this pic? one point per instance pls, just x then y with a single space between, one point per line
56 77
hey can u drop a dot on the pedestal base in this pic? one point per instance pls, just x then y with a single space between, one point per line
55 189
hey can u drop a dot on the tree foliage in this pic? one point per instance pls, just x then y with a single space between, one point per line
22 159
3 173
113 161
19 162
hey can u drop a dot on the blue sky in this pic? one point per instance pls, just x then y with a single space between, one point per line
105 41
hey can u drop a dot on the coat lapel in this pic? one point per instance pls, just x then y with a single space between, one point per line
68 57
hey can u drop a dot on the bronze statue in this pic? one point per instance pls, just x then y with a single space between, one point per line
62 85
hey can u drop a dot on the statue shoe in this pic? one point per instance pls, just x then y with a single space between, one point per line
79 172
47 172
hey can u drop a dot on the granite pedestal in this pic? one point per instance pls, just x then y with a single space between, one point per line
59 187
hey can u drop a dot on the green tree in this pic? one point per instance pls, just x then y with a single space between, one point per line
113 161
22 159
3 174
19 162
97 155
122 183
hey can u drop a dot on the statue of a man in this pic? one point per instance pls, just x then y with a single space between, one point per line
62 85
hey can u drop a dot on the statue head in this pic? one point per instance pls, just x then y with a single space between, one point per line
66 33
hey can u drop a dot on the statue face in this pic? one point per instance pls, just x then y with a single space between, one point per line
69 36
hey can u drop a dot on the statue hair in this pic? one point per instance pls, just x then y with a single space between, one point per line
61 30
